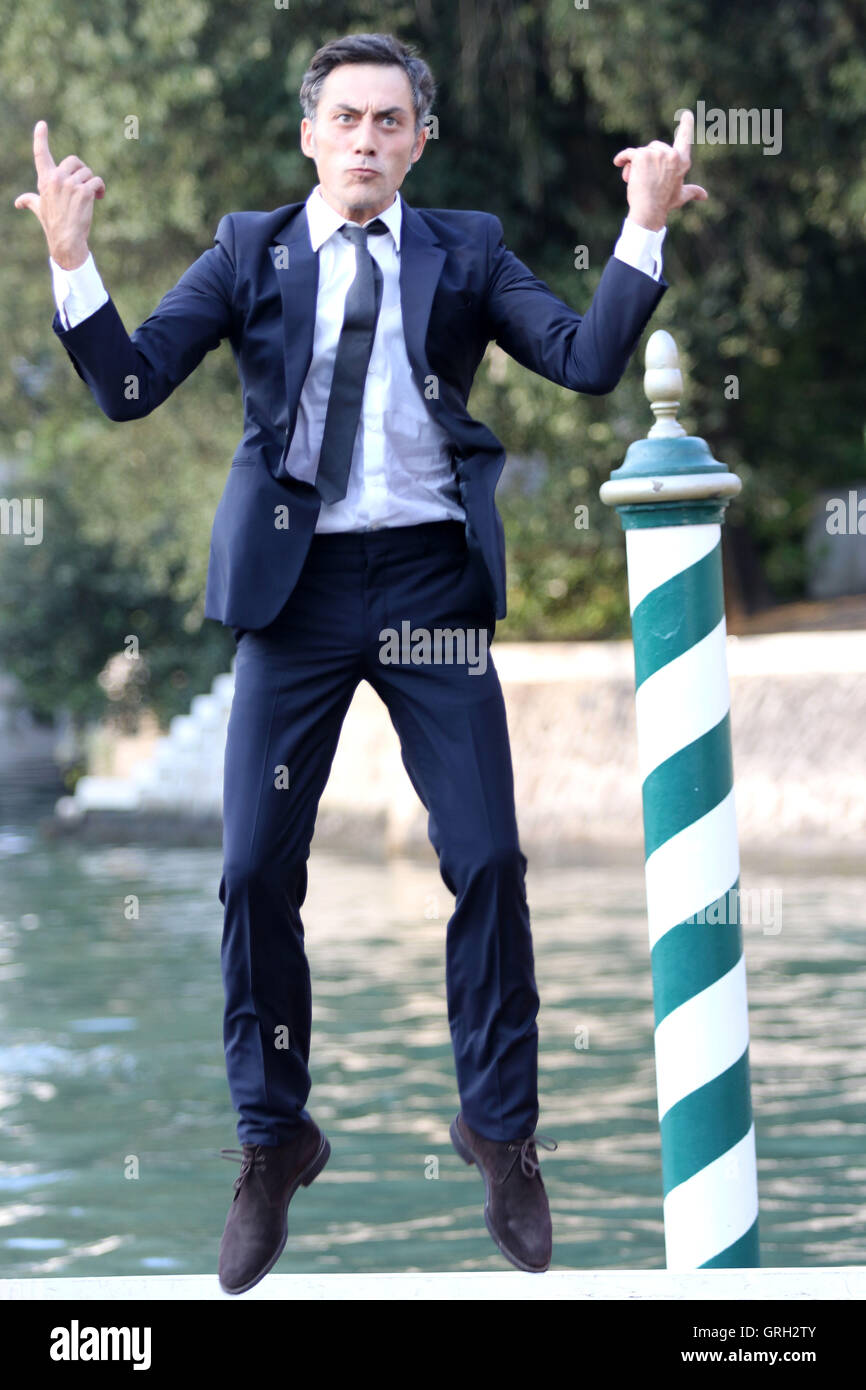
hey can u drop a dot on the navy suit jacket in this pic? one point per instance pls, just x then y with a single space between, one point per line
460 287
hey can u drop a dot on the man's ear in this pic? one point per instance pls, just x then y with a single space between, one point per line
418 149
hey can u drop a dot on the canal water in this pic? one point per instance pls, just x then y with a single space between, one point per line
114 1103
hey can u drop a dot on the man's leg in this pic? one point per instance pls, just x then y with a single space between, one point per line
294 682
455 747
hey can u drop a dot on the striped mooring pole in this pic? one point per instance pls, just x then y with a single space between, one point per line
670 494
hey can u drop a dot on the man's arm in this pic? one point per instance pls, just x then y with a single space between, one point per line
131 374
128 375
590 353
586 353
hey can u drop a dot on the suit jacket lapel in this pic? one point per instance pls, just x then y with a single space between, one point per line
421 262
297 271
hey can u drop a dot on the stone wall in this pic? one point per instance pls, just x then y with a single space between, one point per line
798 719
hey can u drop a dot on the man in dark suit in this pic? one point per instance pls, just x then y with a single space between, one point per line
360 505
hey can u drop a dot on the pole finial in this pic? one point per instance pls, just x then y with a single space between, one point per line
663 385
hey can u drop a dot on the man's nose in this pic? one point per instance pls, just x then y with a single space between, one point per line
365 135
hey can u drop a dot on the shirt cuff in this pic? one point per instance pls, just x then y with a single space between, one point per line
78 293
641 247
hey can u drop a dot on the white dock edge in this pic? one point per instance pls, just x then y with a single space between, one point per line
832 1282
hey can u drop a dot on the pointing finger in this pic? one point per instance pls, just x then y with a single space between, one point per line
42 157
685 133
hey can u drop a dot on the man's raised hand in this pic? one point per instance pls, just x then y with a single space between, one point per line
654 174
64 201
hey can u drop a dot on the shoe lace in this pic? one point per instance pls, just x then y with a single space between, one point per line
529 1163
251 1156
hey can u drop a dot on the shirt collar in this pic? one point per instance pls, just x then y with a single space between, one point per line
323 221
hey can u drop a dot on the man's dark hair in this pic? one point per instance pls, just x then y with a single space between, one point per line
369 48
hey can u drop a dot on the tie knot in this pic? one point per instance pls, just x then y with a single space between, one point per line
358 235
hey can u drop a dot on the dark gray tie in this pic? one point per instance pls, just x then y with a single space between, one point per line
363 301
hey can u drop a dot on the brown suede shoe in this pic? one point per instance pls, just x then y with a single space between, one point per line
256 1228
515 1203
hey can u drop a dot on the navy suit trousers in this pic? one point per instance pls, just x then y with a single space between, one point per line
294 682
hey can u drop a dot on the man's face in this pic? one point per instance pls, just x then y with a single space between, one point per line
365 121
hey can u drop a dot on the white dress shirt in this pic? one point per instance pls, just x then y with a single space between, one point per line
401 472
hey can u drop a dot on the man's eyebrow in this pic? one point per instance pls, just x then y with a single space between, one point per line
354 111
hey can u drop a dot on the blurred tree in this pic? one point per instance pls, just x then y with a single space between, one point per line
70 604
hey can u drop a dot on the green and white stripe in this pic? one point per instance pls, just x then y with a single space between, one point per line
670 495
692 864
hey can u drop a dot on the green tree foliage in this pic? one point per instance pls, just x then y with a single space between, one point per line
73 602
534 100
